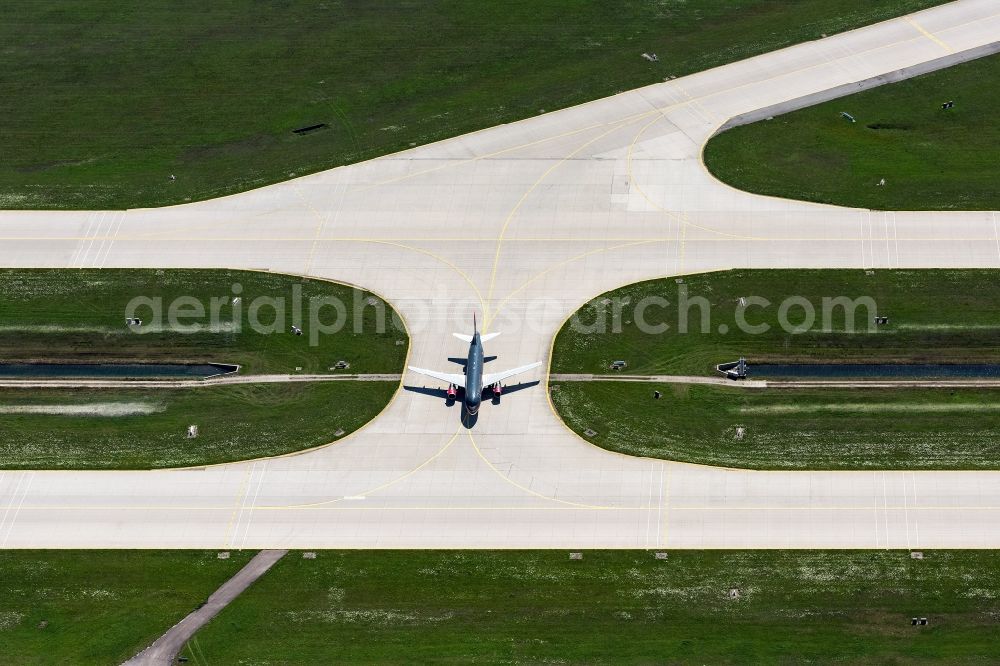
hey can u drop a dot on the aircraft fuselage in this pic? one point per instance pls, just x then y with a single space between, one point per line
474 375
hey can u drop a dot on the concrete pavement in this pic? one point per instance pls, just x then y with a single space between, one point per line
524 223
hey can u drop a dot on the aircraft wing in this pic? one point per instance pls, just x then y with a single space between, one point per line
457 379
494 377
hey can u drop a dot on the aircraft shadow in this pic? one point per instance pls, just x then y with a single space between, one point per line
468 420
462 361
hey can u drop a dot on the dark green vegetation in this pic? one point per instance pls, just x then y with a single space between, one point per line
234 423
79 315
613 607
851 428
935 316
99 607
931 158
103 100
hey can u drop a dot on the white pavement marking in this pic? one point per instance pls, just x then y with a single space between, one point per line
17 503
996 234
524 223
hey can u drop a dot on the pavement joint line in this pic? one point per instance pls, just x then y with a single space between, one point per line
489 316
534 492
253 503
886 219
578 239
875 508
449 162
6 513
570 506
121 221
885 512
666 504
996 233
906 514
376 489
237 506
500 307
17 511
320 225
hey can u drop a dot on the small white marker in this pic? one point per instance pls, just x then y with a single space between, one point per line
354 497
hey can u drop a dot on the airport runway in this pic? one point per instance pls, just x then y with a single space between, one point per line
524 223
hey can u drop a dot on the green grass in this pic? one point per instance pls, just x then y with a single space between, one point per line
99 607
931 159
613 607
235 423
861 428
102 101
935 316
79 315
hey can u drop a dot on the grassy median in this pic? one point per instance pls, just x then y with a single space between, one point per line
74 316
611 607
931 158
828 428
147 428
246 319
103 101
937 316
99 606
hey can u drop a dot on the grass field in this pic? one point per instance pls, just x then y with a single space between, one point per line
613 607
934 316
103 101
930 158
234 423
99 607
79 315
789 428
75 316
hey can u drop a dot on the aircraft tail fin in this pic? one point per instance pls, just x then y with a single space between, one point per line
475 329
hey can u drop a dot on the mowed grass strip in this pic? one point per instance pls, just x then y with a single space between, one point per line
612 607
832 428
935 316
931 158
99 607
234 422
79 316
104 101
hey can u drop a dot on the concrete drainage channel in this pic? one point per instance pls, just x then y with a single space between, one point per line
222 380
164 650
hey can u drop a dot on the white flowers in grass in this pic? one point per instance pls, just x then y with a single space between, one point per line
112 409
10 619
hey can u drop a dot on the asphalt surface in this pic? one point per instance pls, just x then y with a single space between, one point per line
165 649
524 223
